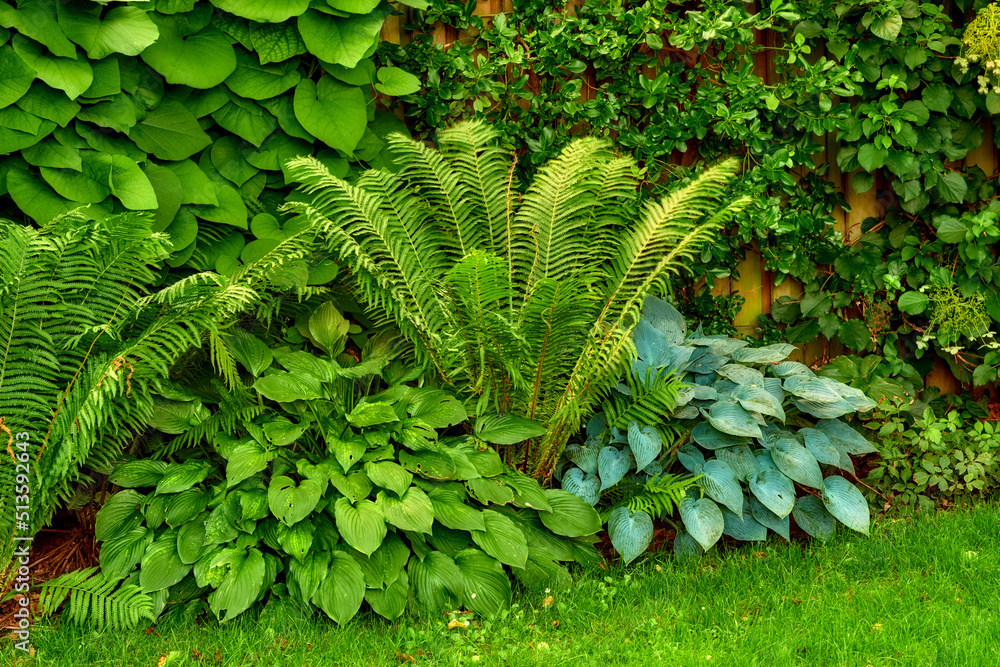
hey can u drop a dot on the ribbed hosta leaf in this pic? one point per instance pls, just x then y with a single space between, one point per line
585 486
645 443
764 459
797 462
774 490
584 456
824 410
845 462
812 517
788 368
820 445
810 389
686 547
665 317
741 374
711 438
612 464
696 392
852 441
690 457
845 502
763 355
630 534
773 387
720 483
743 526
854 396
703 520
733 419
759 399
769 519
740 459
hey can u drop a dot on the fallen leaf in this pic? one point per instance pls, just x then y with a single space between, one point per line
455 623
547 601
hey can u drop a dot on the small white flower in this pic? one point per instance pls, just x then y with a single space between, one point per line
703 609
473 595
466 624
984 90
973 57
546 591
982 80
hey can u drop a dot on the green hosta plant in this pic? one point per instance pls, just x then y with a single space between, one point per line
347 486
523 300
759 431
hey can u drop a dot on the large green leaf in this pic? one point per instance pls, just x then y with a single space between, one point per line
645 443
720 483
759 399
362 525
246 119
612 464
710 437
389 475
37 20
570 516
334 112
769 354
186 505
845 502
342 41
120 555
126 30
246 460
703 520
390 603
812 517
240 586
160 566
342 591
820 446
839 432
437 581
810 389
296 540
292 502
170 132
144 472
502 539
118 515
508 429
586 486
769 519
774 490
372 414
731 418
15 76
255 81
202 60
413 512
288 387
739 458
263 11
630 534
743 526
396 82
451 511
797 462
190 541
275 42
182 476
487 587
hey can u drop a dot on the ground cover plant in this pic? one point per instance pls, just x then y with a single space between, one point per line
906 596
747 424
522 302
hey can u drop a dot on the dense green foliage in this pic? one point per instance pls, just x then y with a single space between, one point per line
186 107
756 423
329 481
84 341
522 302
680 83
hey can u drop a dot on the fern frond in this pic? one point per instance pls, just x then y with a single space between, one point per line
95 600
658 497
649 400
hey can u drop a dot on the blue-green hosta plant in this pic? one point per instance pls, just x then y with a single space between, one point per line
337 484
763 438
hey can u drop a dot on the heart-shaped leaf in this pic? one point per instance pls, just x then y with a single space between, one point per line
584 456
612 464
703 520
362 525
645 443
731 418
740 459
820 446
743 526
711 438
769 519
587 487
292 502
630 534
690 457
759 399
719 482
852 441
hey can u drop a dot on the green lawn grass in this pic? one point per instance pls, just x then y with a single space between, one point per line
923 591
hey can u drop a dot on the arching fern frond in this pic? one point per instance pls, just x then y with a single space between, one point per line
95 600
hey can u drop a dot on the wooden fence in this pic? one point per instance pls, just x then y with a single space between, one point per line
755 283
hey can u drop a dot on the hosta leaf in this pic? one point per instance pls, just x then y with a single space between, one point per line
845 502
824 410
789 368
343 41
797 462
774 490
184 506
685 546
118 515
820 445
502 539
288 387
719 482
769 519
120 555
571 516
362 525
451 511
487 587
190 540
389 475
160 566
690 457
372 414
587 487
759 399
144 472
297 540
437 409
412 512
731 418
335 113
852 441
703 520
711 438
741 374
291 502
612 464
437 581
810 388
743 526
768 354
389 603
527 491
739 458
584 456
343 589
854 396
630 534
812 517
844 462
645 443
182 476
126 30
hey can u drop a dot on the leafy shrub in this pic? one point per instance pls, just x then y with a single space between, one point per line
346 485
186 107
928 460
522 301
754 427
